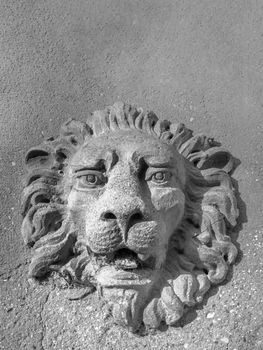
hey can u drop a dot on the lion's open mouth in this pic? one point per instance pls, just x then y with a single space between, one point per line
125 267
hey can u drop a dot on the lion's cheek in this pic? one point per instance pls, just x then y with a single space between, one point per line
77 199
166 198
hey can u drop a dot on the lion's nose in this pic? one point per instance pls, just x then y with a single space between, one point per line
126 219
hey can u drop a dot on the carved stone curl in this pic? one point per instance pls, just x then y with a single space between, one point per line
134 206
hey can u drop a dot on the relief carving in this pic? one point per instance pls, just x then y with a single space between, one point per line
134 206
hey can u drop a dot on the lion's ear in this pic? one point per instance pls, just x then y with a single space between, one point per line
216 158
40 157
203 152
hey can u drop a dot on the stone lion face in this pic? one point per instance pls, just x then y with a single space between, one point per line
127 189
135 206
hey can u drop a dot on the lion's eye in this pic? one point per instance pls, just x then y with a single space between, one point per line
160 177
90 179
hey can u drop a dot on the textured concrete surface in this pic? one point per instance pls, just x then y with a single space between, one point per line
196 61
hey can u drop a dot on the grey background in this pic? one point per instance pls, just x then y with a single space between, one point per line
199 62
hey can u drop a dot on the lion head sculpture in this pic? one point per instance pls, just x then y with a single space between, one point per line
134 206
